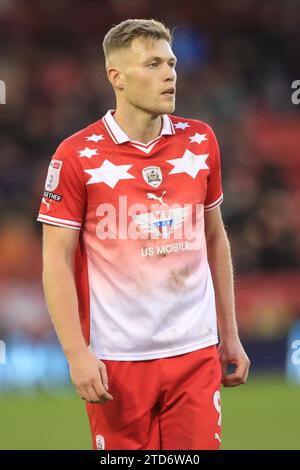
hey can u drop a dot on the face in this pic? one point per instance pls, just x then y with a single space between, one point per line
145 71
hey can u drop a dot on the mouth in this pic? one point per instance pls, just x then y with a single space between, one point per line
169 92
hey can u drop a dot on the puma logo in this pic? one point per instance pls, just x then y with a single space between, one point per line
47 203
160 199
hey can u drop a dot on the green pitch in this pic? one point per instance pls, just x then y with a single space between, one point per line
264 414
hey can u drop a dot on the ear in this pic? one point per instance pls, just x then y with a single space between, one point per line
115 76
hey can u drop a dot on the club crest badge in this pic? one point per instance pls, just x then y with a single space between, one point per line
100 443
152 175
52 179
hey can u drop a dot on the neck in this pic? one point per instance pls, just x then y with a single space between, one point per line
138 124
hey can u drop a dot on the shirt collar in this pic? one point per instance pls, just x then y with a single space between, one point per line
119 136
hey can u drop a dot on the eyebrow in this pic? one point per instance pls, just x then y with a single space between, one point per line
159 59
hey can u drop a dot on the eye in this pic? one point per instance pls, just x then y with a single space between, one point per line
153 64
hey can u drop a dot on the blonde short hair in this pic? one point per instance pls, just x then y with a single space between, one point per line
122 34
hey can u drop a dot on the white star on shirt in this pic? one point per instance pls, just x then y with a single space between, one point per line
181 125
189 163
109 173
87 152
198 138
95 138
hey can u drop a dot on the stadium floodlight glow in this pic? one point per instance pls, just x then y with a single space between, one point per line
2 92
2 353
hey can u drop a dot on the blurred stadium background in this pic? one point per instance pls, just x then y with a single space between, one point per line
237 61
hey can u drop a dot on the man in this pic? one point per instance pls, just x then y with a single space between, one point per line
133 249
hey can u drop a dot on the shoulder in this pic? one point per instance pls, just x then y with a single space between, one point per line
87 135
191 125
81 140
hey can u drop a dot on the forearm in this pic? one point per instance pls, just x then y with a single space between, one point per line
61 298
219 258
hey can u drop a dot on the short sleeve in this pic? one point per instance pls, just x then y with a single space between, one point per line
64 198
214 195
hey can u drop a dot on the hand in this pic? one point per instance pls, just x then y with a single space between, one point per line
89 376
232 352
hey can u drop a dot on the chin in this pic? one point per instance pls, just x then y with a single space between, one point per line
170 108
166 108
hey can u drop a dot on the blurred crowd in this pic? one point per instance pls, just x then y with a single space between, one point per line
236 63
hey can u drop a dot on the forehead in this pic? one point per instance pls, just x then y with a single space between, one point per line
143 48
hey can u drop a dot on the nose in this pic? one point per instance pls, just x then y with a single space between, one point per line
171 74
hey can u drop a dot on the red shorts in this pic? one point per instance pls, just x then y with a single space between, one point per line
167 403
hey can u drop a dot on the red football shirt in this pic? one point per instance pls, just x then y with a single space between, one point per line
143 281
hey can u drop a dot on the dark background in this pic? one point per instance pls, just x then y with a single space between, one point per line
236 64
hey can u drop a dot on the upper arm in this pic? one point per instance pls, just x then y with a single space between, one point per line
59 243
64 199
62 206
213 224
214 194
